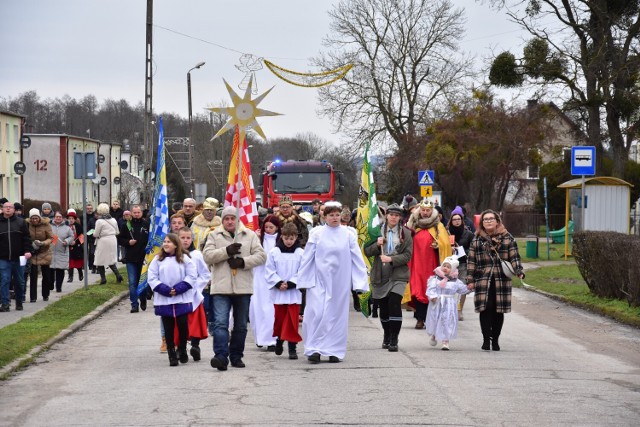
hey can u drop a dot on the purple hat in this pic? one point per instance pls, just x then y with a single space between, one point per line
457 211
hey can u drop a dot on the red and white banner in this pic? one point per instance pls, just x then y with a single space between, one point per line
248 209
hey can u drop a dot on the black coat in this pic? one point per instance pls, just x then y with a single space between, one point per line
140 233
15 239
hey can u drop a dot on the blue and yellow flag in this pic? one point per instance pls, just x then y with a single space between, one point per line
367 219
160 219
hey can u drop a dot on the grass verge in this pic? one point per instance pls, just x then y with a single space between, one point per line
565 283
18 339
556 251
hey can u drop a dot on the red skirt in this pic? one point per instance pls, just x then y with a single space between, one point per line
197 325
76 263
286 323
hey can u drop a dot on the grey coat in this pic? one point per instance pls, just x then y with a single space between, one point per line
61 248
399 270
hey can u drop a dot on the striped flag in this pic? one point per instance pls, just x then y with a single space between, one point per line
160 218
248 209
367 220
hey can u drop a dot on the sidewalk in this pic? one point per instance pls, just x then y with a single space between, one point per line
31 308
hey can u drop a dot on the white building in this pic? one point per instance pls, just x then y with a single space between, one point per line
10 154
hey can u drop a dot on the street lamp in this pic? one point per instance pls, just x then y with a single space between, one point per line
200 64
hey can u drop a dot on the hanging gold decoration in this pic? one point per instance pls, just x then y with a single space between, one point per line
308 79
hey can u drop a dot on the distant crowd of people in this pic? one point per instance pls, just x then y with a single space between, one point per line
215 276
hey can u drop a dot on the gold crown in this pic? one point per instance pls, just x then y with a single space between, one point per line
285 200
426 203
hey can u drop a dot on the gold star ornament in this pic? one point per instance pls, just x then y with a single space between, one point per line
243 113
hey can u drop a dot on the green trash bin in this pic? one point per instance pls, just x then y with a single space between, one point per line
532 248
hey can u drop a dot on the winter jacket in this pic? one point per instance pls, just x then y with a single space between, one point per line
139 232
223 281
106 243
399 263
60 250
14 238
483 265
76 251
169 274
42 232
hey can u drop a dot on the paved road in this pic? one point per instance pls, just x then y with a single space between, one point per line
548 373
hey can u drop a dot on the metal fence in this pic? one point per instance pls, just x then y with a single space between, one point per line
522 224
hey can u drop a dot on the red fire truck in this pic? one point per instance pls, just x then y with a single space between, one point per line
303 180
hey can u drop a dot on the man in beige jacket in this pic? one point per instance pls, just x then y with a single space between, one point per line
231 251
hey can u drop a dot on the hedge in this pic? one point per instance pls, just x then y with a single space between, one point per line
609 264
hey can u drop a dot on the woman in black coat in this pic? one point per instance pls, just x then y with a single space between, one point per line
463 237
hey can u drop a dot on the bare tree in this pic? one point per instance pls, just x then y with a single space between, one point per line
406 65
592 52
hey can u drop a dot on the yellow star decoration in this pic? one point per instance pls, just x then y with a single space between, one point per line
243 113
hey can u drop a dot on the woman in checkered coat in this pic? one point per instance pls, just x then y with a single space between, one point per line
492 287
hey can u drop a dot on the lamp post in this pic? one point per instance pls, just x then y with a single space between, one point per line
198 65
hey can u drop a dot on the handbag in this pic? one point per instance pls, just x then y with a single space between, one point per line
507 268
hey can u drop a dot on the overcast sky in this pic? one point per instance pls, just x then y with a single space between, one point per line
82 47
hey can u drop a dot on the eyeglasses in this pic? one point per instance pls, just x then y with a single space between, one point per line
488 219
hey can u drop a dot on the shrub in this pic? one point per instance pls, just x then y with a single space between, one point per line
608 263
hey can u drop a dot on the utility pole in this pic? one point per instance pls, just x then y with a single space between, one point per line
148 107
191 177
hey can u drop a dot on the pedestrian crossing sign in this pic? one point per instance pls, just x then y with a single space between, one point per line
425 177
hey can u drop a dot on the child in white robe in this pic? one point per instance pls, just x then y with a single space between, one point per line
442 314
282 267
332 266
197 318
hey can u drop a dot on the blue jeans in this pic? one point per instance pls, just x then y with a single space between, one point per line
221 307
134 269
7 269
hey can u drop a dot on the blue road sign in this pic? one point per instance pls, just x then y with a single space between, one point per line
425 177
583 160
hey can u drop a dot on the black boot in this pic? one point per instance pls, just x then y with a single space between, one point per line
293 355
279 348
80 274
485 327
173 357
195 348
374 309
116 272
356 300
393 342
387 335
182 354
70 279
494 344
103 276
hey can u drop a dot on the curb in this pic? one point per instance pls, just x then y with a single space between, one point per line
63 334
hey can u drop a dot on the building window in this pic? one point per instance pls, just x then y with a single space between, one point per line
533 172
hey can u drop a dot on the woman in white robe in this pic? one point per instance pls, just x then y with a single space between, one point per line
332 266
261 310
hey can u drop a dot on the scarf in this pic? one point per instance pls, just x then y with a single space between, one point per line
284 249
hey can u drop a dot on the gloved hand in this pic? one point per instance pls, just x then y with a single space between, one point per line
236 263
234 249
37 243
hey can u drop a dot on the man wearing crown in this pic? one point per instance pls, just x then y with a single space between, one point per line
288 214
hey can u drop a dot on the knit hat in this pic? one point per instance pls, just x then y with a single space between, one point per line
46 205
409 201
123 213
72 213
210 203
17 206
457 211
394 208
452 261
229 210
71 210
34 212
